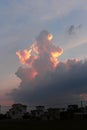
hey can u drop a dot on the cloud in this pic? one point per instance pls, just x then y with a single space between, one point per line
18 21
41 53
40 11
73 30
17 18
73 37
64 82
7 84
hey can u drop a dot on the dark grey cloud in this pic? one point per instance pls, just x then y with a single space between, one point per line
66 83
53 84
72 29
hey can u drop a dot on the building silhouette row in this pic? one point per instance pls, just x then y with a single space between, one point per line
19 111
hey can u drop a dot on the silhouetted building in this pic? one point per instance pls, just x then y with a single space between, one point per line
38 112
53 113
73 108
40 108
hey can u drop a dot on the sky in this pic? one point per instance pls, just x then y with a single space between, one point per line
24 23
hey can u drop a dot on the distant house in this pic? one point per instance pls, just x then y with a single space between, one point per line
53 114
38 112
40 108
41 113
73 108
81 114
17 111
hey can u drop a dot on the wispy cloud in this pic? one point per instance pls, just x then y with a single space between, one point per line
73 36
17 18
40 10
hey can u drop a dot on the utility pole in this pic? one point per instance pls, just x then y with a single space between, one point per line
0 109
81 104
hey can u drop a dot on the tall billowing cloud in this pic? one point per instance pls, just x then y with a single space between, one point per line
42 55
44 79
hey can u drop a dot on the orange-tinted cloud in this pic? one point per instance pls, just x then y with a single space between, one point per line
41 53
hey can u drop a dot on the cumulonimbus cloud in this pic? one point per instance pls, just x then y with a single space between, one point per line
60 83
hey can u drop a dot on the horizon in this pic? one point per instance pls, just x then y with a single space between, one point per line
4 108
